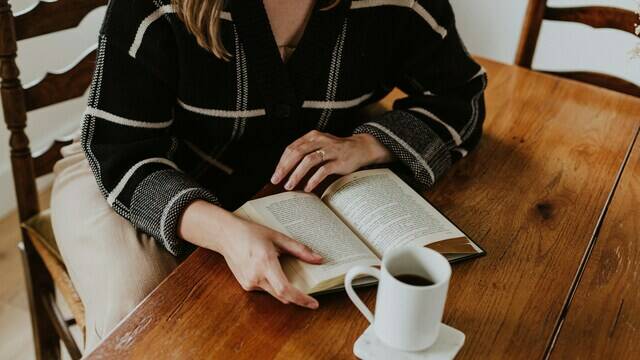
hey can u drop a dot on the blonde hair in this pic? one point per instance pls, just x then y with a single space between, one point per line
202 19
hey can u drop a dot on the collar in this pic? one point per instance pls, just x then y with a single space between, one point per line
276 80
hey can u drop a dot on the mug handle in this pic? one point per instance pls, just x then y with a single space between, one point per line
348 285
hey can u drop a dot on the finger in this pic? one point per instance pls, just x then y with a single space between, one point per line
297 249
283 288
294 153
266 286
308 162
290 158
320 174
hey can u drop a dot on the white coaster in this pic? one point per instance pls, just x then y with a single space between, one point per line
447 345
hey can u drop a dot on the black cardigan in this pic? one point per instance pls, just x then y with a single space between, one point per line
168 123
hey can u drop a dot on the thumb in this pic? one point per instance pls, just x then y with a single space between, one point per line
297 249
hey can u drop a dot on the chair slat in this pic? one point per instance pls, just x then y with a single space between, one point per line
51 16
602 80
595 16
43 162
63 85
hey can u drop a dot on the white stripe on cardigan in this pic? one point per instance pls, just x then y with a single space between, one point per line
142 28
411 4
126 122
123 182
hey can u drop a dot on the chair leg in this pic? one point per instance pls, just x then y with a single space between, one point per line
39 289
62 329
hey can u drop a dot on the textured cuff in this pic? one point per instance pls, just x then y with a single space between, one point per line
412 142
159 201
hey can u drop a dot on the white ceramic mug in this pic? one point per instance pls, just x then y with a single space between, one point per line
407 317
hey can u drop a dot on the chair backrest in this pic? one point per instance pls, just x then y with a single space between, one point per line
594 16
42 18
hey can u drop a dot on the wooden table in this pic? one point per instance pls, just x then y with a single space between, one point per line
603 319
534 195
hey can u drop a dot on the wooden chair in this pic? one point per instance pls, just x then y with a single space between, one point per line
43 266
594 16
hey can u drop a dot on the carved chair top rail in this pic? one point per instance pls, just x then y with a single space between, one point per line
595 16
46 17
44 159
65 84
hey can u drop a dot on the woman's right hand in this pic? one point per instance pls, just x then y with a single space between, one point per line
251 250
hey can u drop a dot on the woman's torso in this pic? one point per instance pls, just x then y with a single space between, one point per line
232 120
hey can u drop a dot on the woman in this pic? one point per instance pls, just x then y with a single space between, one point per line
195 105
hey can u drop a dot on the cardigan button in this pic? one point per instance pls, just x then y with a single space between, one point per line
282 111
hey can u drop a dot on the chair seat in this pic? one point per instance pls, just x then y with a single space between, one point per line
40 229
40 232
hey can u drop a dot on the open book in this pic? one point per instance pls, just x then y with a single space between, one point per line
355 220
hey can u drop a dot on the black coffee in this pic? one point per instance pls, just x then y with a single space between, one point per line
415 280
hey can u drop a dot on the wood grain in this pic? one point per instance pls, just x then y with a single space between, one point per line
602 80
603 320
531 195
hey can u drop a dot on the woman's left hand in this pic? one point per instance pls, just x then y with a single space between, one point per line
333 155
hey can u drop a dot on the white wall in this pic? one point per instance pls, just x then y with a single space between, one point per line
491 28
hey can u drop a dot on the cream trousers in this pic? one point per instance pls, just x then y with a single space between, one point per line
111 264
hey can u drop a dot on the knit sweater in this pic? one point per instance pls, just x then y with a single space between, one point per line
168 123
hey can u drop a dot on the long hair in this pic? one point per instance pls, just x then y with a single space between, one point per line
202 19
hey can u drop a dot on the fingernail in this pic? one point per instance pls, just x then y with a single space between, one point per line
317 256
274 179
313 304
289 185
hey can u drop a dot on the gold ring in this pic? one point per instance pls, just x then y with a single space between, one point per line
321 153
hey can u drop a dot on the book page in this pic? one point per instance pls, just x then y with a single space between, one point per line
385 212
304 217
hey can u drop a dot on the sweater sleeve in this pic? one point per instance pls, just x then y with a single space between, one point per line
441 118
128 142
